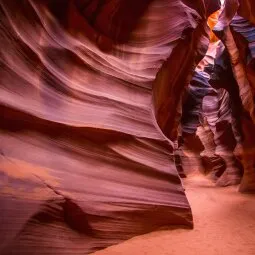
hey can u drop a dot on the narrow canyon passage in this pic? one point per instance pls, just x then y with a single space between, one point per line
121 117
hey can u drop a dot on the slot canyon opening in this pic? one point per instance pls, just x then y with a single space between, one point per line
208 119
210 131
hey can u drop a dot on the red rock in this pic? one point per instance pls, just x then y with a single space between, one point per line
91 102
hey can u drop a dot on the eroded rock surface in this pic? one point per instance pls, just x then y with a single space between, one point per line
98 102
81 146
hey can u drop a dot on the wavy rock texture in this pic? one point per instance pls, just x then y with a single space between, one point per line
238 36
100 104
84 164
207 114
244 35
222 98
169 85
212 163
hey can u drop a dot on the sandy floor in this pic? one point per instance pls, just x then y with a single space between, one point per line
224 224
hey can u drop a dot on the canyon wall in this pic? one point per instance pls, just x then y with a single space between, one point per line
92 94
84 164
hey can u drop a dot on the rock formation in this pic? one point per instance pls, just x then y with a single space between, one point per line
222 90
98 100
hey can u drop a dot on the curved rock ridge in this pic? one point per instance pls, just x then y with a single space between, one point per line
101 103
84 163
244 35
198 88
227 110
238 36
243 31
247 10
222 30
210 114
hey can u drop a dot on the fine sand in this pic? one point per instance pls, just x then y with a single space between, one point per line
224 223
